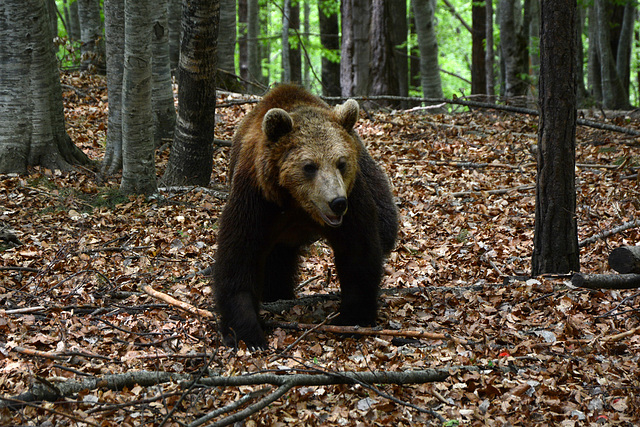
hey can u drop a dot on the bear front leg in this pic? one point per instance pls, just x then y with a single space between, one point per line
281 273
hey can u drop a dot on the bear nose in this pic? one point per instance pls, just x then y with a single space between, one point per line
338 205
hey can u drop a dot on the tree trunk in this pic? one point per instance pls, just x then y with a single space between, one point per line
594 77
490 56
330 39
164 110
384 77
613 93
354 65
114 33
625 259
399 30
32 128
295 59
253 33
286 62
138 149
74 21
227 79
513 48
478 55
191 158
93 50
623 54
556 237
423 11
175 13
243 52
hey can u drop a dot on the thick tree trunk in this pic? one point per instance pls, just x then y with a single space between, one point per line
227 36
114 33
384 77
175 13
191 158
93 50
295 59
354 65
623 54
138 149
330 39
164 110
556 238
74 21
424 11
286 62
399 30
32 128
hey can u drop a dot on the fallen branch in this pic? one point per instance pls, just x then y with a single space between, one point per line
607 233
56 354
190 188
606 281
357 330
180 304
625 259
498 191
621 335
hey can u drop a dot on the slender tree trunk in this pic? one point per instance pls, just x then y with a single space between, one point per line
354 66
164 110
306 29
582 94
478 55
286 62
175 8
191 158
253 33
556 238
490 58
114 33
243 51
330 39
227 38
593 68
513 48
74 21
399 31
93 50
424 11
138 149
384 77
613 93
32 128
623 55
295 59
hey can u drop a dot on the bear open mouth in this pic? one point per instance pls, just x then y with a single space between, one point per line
331 220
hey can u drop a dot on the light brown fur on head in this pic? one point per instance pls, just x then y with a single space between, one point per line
302 150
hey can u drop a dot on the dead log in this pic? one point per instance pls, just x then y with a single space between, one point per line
606 281
625 259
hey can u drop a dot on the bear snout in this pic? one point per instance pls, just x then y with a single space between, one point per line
338 205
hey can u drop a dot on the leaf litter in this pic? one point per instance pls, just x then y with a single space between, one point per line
534 351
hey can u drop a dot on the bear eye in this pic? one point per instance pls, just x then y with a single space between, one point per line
342 165
310 168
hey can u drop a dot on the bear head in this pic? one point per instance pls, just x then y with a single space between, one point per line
313 154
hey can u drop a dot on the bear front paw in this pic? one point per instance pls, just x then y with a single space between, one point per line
253 340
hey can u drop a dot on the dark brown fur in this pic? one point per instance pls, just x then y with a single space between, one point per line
278 204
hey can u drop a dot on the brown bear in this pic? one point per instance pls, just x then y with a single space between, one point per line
299 172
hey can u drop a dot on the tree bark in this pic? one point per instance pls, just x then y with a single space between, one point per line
191 158
513 48
295 59
93 50
175 13
330 39
286 62
424 11
606 281
253 33
489 60
555 237
354 65
399 31
32 127
478 55
138 149
114 33
162 103
384 77
625 259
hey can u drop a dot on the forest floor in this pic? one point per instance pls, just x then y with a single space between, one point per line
517 352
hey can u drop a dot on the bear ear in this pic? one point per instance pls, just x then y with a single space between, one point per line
276 123
348 113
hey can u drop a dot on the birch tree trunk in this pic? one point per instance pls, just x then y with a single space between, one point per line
32 127
191 158
138 149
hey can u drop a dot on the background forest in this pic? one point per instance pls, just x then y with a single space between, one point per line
105 251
